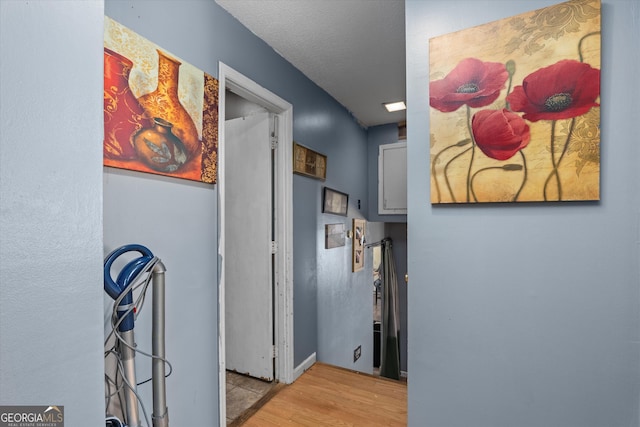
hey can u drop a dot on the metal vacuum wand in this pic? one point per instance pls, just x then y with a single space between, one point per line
160 413
128 275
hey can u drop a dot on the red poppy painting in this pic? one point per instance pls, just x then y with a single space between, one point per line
515 108
160 113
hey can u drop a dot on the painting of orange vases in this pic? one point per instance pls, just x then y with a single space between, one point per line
515 108
160 113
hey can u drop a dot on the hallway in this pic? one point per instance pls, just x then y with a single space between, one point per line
328 396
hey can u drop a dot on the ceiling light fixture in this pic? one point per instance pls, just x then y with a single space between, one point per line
395 106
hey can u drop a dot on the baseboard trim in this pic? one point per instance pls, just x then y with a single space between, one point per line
308 362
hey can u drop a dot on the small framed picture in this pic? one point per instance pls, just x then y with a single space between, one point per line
309 163
334 202
334 235
358 244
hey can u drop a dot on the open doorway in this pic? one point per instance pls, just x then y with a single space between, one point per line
376 277
255 188
396 235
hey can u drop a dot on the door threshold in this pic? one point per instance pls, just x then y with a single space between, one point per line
251 410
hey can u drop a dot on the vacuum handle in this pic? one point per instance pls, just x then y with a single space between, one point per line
126 276
112 287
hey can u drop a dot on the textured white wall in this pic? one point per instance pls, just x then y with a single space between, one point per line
51 207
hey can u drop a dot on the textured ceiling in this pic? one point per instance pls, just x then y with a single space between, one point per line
353 49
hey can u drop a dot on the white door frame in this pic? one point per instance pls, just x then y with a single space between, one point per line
283 271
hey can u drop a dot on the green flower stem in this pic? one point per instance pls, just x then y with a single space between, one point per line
507 168
475 199
554 172
556 165
567 141
433 166
580 44
446 174
506 104
524 178
511 69
473 152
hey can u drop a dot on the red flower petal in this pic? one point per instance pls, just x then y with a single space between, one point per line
472 82
563 90
500 133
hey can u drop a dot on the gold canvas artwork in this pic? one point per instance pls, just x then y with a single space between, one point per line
160 112
515 108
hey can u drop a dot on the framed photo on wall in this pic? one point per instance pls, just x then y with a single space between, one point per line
334 202
308 162
334 235
358 244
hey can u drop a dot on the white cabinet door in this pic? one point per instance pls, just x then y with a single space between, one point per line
392 179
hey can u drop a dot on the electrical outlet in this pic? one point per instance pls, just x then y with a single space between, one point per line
356 353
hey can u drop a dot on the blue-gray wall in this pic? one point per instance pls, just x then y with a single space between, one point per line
305 272
344 314
526 315
51 339
331 315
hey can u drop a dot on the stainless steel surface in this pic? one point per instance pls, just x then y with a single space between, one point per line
160 413
129 366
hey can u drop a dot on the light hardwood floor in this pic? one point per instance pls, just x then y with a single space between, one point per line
329 396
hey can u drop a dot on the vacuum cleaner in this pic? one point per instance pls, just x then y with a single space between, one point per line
123 322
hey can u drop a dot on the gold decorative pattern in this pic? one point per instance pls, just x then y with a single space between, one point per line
550 23
164 103
210 130
585 140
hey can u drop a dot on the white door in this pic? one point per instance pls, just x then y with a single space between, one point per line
248 237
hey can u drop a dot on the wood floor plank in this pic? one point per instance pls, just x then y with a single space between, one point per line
329 396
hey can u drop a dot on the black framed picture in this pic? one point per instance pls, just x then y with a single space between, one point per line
335 202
